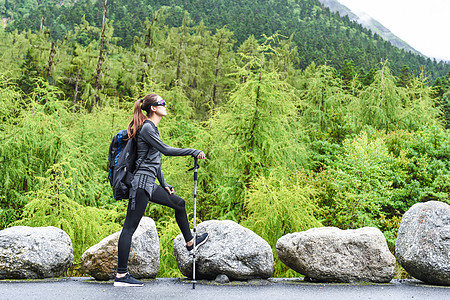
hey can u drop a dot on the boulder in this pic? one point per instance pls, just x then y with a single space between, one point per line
423 242
100 260
34 252
231 250
329 254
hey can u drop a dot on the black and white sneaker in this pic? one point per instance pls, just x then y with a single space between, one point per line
200 240
127 280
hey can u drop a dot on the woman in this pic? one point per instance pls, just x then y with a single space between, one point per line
144 189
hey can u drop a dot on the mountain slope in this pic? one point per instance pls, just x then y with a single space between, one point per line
370 23
320 35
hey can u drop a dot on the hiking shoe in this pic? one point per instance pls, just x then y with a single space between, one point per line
200 240
127 280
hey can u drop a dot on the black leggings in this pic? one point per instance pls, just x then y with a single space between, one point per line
159 196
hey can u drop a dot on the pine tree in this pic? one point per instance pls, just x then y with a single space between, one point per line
254 132
30 72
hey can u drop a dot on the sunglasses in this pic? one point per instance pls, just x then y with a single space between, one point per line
159 103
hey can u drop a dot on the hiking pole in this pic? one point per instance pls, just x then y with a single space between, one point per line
196 166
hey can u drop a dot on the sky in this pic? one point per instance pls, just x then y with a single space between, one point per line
423 24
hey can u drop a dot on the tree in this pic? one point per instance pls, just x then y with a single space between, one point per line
255 132
385 106
324 106
347 72
405 77
100 56
30 71
223 61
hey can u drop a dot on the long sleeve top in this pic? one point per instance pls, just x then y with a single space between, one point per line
149 149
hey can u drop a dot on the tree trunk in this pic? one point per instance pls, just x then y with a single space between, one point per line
50 60
216 73
75 95
322 110
42 23
183 29
179 58
100 57
149 39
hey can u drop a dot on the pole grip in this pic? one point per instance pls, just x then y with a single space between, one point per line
196 166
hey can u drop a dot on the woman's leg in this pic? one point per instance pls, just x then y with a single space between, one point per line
161 196
129 227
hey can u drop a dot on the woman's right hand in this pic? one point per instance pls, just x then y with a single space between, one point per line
201 155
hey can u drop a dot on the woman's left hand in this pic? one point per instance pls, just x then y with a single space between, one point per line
170 190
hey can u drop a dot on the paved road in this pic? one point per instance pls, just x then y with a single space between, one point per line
170 288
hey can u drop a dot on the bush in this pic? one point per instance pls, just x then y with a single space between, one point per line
278 204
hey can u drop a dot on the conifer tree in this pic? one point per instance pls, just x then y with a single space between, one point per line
30 72
224 59
324 105
254 132
101 55
384 106
52 204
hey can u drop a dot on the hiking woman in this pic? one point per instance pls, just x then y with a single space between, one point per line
143 187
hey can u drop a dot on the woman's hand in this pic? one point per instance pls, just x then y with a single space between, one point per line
201 155
170 190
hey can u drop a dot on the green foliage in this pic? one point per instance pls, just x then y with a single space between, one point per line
441 91
383 105
24 155
257 123
320 35
52 204
325 103
379 176
168 230
281 203
361 185
287 148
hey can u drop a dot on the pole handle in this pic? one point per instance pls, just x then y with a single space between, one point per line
196 166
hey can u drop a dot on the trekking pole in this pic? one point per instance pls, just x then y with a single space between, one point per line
196 166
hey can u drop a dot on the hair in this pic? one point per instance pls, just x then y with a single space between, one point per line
138 119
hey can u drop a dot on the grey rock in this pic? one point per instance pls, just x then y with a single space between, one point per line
231 249
423 242
329 254
222 278
34 252
100 260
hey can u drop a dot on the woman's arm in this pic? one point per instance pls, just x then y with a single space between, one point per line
150 136
163 182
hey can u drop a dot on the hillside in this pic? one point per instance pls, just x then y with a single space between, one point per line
370 23
288 147
321 35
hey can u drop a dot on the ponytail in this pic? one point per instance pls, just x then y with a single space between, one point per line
138 115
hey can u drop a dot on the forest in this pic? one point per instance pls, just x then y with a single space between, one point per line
289 146
320 35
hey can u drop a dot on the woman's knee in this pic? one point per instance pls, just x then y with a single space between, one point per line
178 201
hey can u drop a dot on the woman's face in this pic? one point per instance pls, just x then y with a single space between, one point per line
160 110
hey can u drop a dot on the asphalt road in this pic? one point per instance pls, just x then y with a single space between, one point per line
173 288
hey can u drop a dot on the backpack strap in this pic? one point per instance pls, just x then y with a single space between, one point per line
119 147
148 150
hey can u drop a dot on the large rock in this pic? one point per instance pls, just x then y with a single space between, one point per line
330 254
34 252
231 249
423 242
100 261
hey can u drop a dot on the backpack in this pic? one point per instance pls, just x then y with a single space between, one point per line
122 164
